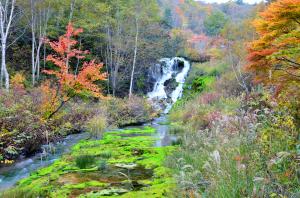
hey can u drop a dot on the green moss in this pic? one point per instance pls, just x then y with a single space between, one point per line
63 177
155 190
145 130
85 185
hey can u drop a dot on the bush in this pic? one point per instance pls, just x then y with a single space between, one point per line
201 83
22 130
229 86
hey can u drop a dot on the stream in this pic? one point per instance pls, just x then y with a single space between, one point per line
162 96
10 175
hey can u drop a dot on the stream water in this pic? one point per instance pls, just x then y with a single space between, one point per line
169 75
10 175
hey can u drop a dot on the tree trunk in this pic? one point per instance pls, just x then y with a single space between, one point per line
117 58
6 18
4 72
33 70
72 5
134 57
33 66
38 63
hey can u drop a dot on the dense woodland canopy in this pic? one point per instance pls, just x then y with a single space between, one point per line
69 66
110 30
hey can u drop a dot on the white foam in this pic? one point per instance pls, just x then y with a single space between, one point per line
168 71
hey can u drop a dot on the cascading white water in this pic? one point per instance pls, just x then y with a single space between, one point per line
169 69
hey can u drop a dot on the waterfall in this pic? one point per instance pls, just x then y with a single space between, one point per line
169 71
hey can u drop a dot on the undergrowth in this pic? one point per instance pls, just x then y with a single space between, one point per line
234 144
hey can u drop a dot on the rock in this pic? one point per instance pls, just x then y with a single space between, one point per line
216 157
112 191
170 85
137 152
167 79
126 166
258 179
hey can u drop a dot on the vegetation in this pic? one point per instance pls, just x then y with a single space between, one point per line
83 161
83 66
235 146
277 46
215 23
241 139
97 125
133 168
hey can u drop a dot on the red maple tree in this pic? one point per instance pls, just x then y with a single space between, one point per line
71 83
274 56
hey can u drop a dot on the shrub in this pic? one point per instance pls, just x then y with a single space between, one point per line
22 130
201 83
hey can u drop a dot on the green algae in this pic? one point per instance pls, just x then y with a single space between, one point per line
64 179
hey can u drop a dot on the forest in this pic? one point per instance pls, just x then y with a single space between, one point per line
149 98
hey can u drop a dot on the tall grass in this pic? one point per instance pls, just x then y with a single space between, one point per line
84 161
97 125
234 145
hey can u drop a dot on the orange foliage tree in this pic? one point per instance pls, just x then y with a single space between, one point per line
72 83
274 57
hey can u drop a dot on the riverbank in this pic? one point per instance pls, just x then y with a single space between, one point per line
24 129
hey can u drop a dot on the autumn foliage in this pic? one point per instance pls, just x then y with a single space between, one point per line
71 83
275 56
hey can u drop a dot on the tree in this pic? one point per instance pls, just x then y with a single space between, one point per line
214 23
143 14
236 36
134 56
7 14
274 57
40 11
70 84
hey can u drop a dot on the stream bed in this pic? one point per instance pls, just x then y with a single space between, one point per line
128 162
10 175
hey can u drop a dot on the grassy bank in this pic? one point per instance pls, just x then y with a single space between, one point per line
233 144
124 164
